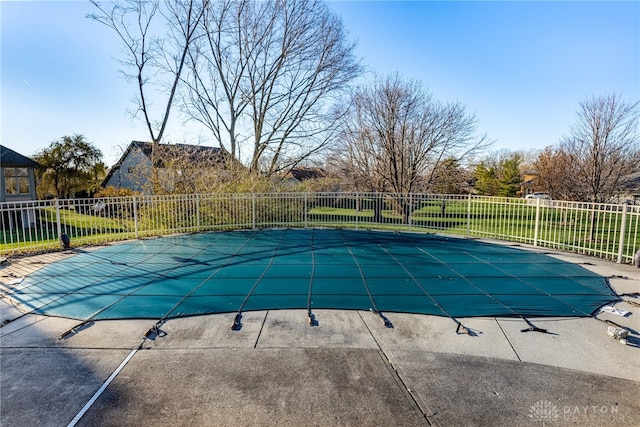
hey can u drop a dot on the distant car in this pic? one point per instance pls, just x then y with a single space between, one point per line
544 196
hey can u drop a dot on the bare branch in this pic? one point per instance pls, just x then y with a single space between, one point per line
396 136
149 59
602 148
265 74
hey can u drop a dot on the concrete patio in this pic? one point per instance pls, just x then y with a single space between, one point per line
348 370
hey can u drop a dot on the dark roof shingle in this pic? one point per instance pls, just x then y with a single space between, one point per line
8 157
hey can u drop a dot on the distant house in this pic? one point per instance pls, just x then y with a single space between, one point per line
631 190
529 184
298 175
174 164
17 184
18 181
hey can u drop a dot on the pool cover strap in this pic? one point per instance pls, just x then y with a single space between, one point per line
460 326
237 325
532 327
155 329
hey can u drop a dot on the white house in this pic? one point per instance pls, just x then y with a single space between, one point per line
133 169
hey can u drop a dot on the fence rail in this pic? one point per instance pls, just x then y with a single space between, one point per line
610 231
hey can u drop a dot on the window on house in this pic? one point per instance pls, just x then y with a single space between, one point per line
16 181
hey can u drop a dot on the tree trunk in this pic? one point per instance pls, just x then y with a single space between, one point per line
377 210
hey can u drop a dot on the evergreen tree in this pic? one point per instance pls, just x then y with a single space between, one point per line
486 180
509 176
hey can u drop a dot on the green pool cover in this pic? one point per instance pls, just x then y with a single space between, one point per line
310 269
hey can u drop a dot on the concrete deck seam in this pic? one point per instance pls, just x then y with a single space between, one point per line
102 388
386 360
264 320
508 340
406 390
53 347
109 380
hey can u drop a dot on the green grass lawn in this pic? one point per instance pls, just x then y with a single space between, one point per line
72 218
81 227
509 221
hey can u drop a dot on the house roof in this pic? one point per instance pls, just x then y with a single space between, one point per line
8 157
303 174
632 181
193 153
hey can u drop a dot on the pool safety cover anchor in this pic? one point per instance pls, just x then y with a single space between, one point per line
385 320
75 329
532 327
155 331
237 324
462 328
311 319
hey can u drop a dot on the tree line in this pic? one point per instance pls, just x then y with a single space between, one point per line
275 83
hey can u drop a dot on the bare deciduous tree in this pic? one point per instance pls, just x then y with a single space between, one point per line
264 75
450 177
188 169
554 174
153 59
602 148
396 135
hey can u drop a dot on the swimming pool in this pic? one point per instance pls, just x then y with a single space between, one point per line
237 271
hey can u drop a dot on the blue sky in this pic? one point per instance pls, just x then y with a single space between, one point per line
521 67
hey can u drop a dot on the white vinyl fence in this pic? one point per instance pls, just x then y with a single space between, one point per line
610 231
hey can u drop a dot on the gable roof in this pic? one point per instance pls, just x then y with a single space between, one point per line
632 182
303 174
193 153
8 157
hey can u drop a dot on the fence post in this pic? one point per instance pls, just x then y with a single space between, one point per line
410 210
306 208
253 210
537 223
198 212
469 215
135 215
357 209
58 223
623 231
